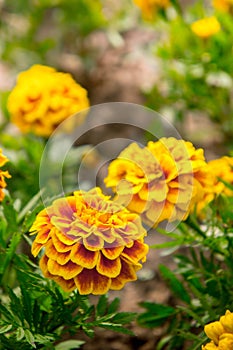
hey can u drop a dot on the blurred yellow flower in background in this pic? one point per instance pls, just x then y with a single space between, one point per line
91 243
149 7
162 181
43 98
219 169
3 175
223 5
206 27
221 333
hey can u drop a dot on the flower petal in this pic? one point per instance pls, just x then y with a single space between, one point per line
137 252
127 274
112 253
109 268
89 281
52 253
83 257
67 271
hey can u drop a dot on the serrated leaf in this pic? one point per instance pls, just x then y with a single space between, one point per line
10 214
30 338
175 285
156 315
123 317
5 329
69 345
115 328
101 307
114 306
19 333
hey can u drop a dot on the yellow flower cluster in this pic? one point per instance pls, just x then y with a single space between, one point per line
206 27
3 175
161 181
221 333
90 243
43 98
149 7
220 169
223 5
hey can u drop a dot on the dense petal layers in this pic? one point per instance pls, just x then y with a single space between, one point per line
90 243
161 181
221 333
43 98
3 175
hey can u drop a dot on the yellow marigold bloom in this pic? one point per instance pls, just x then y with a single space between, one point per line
161 181
90 243
221 333
149 7
227 321
223 5
43 98
3 175
206 27
209 346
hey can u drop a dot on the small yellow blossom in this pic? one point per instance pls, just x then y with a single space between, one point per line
149 7
90 243
220 169
3 175
221 333
223 5
161 181
43 98
206 27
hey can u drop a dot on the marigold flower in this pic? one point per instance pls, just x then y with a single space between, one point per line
220 169
3 175
206 27
161 181
221 333
149 7
90 243
223 5
43 98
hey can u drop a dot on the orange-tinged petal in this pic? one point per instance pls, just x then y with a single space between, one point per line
112 253
44 266
84 257
127 274
67 285
137 252
65 238
36 248
52 253
43 236
109 268
67 271
59 246
89 281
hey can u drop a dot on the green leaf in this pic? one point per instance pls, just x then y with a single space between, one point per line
175 285
101 307
30 338
123 317
5 329
114 306
155 315
115 327
10 214
69 344
20 334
